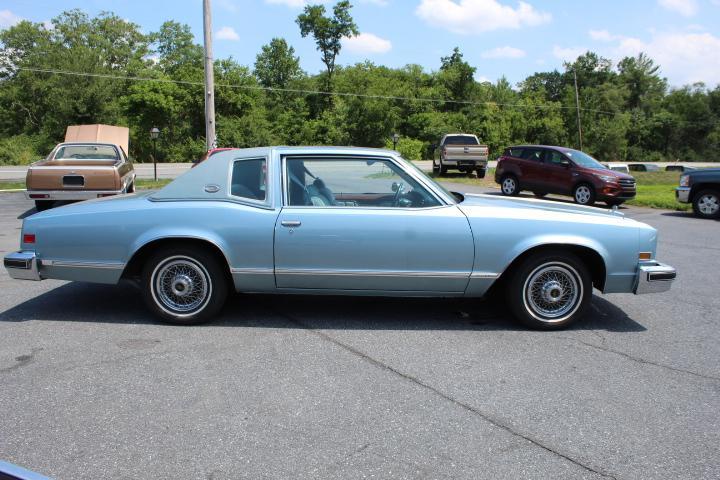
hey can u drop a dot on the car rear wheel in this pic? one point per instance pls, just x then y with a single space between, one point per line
41 205
131 188
549 290
509 185
184 286
481 173
584 194
706 204
436 168
443 169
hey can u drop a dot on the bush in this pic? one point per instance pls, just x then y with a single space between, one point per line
409 148
18 150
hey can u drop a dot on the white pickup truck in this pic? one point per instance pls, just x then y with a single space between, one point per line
460 151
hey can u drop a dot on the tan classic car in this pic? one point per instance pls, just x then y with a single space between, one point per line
80 171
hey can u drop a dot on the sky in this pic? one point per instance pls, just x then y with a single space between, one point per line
498 37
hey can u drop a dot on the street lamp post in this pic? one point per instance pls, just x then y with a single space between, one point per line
395 139
154 134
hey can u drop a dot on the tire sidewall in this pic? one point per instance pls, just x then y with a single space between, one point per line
218 287
515 292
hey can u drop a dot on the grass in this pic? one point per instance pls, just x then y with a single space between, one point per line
140 184
655 189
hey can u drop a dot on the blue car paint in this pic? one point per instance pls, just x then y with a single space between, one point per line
452 250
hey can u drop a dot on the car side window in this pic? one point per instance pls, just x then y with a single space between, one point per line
516 152
555 158
249 179
532 154
352 182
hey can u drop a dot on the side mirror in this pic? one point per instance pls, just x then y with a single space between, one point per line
565 164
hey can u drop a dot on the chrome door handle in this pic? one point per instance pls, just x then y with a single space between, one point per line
290 223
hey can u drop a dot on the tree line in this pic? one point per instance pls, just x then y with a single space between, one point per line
629 112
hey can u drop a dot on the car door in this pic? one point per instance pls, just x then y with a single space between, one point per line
532 169
559 174
361 223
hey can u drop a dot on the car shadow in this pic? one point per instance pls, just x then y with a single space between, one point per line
688 215
82 302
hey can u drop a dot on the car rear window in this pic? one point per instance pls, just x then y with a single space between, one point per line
86 152
249 179
460 140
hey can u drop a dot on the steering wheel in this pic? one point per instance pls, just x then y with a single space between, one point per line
398 194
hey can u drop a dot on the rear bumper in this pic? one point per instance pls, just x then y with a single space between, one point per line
682 194
51 195
22 266
460 162
654 277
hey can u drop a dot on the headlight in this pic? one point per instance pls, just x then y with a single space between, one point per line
607 178
684 180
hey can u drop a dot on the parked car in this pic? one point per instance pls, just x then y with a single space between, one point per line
702 189
462 152
347 221
643 167
619 167
91 163
209 154
564 171
679 168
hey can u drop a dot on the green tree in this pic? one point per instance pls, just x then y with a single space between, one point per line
456 75
276 65
328 32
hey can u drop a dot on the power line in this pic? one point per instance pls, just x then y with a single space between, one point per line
308 92
339 94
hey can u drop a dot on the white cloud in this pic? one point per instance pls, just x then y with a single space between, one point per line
366 43
482 79
227 33
686 8
602 35
380 3
8 19
568 54
471 17
503 52
683 57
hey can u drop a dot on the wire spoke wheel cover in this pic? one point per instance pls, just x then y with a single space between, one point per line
181 286
553 292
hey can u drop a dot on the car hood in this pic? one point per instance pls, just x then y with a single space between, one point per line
532 207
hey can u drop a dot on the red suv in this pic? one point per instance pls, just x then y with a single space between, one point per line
564 171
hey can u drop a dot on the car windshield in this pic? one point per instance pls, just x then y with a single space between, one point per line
584 160
460 140
86 152
449 197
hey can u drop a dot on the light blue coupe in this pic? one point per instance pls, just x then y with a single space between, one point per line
348 221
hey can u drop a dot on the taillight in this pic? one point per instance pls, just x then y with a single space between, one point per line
39 195
29 238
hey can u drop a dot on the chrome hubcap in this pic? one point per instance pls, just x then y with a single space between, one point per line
708 204
181 285
553 292
582 194
508 186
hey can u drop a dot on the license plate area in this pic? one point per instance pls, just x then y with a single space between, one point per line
73 181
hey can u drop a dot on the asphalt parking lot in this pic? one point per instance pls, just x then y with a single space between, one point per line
315 387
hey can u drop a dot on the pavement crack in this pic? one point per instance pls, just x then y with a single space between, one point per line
445 396
642 360
21 361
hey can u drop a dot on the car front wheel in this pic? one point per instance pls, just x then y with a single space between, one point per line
706 204
509 185
549 290
584 194
184 286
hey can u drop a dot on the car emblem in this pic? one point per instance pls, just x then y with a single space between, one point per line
466 149
212 188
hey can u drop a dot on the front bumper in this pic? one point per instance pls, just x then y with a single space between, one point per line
654 277
51 195
22 266
682 194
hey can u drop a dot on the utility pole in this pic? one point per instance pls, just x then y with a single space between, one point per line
577 103
210 138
